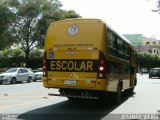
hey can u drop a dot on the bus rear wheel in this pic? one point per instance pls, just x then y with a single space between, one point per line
119 93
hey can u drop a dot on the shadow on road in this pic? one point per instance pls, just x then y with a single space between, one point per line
67 110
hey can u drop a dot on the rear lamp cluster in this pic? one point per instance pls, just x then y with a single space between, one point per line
102 66
45 64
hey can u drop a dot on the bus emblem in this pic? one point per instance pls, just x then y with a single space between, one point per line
73 29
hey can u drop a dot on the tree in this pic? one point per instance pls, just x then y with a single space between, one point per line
32 20
6 20
70 14
148 60
11 58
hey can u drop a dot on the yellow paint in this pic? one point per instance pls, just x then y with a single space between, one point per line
85 46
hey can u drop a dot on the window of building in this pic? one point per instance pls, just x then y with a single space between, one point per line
147 43
154 42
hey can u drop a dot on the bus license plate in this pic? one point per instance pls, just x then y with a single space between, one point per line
70 82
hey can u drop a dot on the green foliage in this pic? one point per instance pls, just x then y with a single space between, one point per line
70 14
148 60
24 23
35 59
11 58
31 20
16 58
36 54
5 21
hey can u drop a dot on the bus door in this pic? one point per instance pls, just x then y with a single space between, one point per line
132 67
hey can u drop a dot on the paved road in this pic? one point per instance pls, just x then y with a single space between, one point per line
30 101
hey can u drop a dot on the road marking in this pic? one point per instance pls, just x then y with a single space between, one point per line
17 105
23 99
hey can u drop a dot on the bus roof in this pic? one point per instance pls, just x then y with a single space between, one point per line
86 19
97 20
93 20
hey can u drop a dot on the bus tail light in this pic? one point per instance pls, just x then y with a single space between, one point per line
45 65
102 67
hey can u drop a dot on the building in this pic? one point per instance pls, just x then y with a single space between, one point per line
143 44
135 39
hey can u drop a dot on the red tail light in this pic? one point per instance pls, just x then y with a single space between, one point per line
45 64
102 66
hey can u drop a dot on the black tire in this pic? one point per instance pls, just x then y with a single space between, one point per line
34 80
135 81
129 91
13 80
119 93
1 83
29 79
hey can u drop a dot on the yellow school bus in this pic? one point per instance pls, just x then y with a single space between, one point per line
87 59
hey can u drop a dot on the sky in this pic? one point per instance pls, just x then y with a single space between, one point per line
124 16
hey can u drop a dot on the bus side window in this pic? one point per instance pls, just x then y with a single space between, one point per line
115 42
111 43
126 51
120 45
120 48
110 38
113 68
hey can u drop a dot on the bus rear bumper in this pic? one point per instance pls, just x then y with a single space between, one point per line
83 94
74 96
99 84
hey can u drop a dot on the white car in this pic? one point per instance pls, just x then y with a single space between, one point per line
13 75
38 75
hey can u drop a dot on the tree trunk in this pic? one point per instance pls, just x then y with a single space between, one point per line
27 58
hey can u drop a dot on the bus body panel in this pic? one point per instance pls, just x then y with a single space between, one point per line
89 35
74 52
74 57
78 66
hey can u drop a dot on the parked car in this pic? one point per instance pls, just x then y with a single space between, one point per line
38 75
144 70
13 75
154 72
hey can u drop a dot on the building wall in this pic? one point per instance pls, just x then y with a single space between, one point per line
150 41
143 44
147 48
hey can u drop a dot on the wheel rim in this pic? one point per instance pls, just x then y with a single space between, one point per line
13 81
29 79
